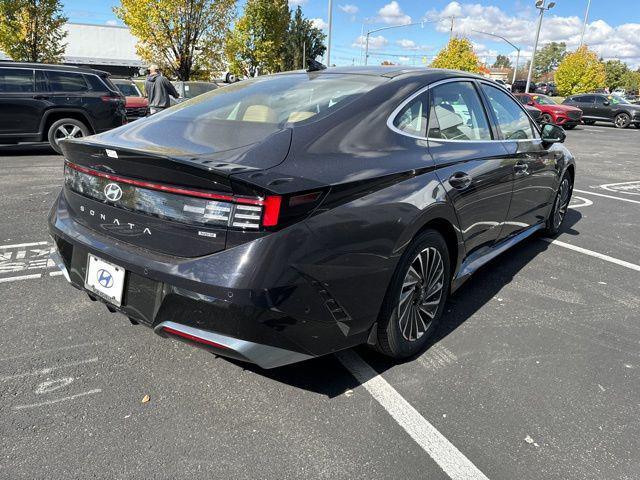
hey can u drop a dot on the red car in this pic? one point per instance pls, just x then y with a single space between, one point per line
137 105
564 115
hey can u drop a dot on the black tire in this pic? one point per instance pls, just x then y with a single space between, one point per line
560 205
568 127
393 340
622 120
589 122
546 118
73 128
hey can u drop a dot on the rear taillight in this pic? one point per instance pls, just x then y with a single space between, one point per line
112 99
193 338
175 203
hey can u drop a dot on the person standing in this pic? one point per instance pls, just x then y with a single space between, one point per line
158 89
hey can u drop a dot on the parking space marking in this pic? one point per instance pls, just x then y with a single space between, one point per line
58 400
591 253
629 188
21 245
585 202
20 277
606 196
44 371
50 350
451 460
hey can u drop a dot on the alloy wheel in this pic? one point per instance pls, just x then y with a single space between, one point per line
622 120
421 294
66 131
562 203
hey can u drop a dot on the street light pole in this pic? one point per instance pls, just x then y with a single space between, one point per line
540 5
515 70
584 25
366 41
329 36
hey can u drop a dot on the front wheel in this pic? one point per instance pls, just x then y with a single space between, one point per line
622 120
66 128
560 205
568 127
589 122
415 298
546 118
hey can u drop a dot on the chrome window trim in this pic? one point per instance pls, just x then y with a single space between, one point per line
416 94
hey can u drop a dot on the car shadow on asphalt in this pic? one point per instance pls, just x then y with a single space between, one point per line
327 376
26 149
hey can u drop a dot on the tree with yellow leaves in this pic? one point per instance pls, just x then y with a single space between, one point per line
184 37
580 72
31 30
458 55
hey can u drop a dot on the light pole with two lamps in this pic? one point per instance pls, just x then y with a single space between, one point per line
542 6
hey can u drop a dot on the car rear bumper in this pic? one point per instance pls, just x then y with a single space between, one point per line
245 302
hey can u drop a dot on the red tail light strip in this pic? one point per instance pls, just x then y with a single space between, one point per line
176 190
193 338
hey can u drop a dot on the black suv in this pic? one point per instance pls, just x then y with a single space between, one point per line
51 102
519 86
547 88
606 108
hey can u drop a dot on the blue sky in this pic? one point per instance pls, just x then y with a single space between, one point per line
613 31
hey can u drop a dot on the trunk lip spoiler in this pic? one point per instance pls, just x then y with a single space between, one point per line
166 188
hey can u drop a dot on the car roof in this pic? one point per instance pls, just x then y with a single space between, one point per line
393 72
50 66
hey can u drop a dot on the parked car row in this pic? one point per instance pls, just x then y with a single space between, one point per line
566 116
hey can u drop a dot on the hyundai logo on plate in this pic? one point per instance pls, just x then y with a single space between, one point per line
105 278
113 192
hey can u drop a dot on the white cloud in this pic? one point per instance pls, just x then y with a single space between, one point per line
622 41
403 59
375 43
295 3
392 14
349 9
407 44
111 23
319 23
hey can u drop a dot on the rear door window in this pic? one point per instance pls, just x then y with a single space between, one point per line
16 80
95 84
512 120
67 82
412 119
457 113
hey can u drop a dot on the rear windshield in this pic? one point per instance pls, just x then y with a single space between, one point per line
275 101
128 89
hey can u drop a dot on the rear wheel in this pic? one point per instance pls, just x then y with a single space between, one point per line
415 298
560 205
622 120
66 128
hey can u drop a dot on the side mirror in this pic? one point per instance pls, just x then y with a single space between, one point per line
553 134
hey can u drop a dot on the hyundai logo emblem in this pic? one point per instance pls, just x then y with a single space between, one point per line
113 192
105 278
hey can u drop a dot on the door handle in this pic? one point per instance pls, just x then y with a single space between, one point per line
41 97
460 180
521 168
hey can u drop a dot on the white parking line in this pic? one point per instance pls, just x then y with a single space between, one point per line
20 277
606 196
44 371
57 400
18 245
585 202
623 187
591 253
442 451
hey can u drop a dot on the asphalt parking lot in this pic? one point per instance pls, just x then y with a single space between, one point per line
535 372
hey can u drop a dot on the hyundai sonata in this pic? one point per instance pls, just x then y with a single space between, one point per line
294 215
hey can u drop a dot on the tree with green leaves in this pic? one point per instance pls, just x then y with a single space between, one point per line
548 58
257 43
631 82
615 71
502 61
184 37
458 54
580 72
31 30
303 39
